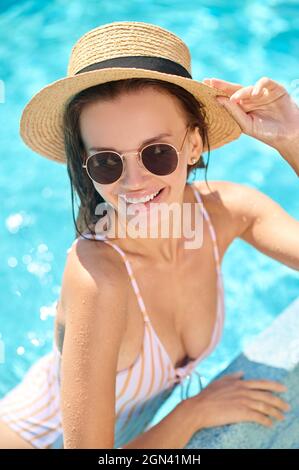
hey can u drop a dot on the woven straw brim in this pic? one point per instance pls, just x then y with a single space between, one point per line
41 125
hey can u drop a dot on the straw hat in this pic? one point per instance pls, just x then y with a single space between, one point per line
116 51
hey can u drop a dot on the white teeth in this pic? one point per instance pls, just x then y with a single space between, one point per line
139 200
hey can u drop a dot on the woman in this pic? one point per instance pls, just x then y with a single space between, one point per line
131 125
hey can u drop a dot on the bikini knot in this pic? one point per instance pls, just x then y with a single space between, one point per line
188 378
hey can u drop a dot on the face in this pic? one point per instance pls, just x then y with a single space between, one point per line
123 125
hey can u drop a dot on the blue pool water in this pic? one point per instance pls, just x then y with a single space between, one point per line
230 41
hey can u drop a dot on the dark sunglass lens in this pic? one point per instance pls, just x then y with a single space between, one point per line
160 159
105 167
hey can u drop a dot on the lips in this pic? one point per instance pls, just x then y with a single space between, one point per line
140 195
141 206
143 199
156 199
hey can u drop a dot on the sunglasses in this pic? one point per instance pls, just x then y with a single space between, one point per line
159 158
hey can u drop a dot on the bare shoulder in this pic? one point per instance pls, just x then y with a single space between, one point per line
93 272
229 205
219 194
240 202
94 258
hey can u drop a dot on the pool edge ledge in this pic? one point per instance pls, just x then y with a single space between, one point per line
273 355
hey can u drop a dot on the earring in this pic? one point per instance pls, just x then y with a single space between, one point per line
193 160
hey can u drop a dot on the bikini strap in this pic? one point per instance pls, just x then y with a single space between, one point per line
128 266
210 225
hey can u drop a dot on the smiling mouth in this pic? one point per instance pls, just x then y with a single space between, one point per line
143 200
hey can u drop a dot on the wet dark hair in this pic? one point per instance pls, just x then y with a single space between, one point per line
81 184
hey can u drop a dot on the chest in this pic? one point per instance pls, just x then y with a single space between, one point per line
181 304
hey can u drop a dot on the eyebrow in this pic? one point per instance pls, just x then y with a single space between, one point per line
147 141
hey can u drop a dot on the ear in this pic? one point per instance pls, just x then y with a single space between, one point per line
196 145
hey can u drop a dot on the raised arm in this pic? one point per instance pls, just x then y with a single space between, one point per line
270 228
266 112
256 218
93 300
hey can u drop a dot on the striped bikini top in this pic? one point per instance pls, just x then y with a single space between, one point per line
142 387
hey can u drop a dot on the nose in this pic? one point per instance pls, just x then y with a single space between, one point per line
133 173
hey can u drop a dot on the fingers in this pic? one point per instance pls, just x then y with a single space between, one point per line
259 91
273 400
238 92
264 408
265 385
227 87
249 94
219 83
267 83
268 410
264 402
257 417
243 93
237 112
